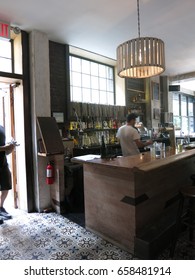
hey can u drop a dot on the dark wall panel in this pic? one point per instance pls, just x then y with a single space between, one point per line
59 77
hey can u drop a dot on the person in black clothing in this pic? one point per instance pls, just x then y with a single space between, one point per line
5 174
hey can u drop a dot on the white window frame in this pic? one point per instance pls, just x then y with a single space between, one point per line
93 83
5 56
180 120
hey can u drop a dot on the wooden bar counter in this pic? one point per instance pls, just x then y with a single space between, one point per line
132 201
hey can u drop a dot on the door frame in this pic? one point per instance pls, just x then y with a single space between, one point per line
25 79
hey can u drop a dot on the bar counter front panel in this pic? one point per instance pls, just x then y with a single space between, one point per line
130 200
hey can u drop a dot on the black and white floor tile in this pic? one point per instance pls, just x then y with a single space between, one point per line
50 236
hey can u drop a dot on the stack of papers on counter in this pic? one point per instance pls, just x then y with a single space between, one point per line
87 157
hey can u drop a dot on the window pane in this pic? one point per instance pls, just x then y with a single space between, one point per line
190 108
76 94
191 124
102 84
183 105
5 49
184 125
94 69
91 78
76 79
5 65
177 122
183 110
109 73
94 82
103 97
102 70
176 104
76 64
86 95
95 96
110 98
86 81
110 85
85 66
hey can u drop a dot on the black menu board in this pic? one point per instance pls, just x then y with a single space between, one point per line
50 135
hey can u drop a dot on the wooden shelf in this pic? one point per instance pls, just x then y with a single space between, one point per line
139 101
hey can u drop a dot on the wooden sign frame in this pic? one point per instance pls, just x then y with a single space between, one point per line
50 135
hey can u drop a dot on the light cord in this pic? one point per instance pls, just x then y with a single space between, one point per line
138 18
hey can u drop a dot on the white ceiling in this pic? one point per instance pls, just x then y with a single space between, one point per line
101 25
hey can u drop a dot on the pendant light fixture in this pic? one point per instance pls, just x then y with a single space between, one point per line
141 57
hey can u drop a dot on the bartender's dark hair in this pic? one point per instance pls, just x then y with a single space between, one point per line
131 116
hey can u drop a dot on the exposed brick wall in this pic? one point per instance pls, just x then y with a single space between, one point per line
59 73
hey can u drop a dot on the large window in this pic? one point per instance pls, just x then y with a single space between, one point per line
5 56
183 113
91 82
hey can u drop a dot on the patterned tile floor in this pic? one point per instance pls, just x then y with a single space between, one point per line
40 236
49 236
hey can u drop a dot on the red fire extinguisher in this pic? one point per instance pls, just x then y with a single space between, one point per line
50 173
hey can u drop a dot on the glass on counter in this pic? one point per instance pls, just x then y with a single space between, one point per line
157 150
179 145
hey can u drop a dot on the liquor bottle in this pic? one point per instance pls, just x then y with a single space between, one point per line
103 148
89 122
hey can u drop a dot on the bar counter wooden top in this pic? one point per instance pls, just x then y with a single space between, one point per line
132 201
143 161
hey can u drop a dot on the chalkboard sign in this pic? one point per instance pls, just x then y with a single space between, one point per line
51 138
135 84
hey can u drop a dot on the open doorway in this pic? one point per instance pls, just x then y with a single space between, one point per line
12 118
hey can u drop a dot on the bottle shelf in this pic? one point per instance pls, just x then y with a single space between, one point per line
139 101
136 97
136 91
94 129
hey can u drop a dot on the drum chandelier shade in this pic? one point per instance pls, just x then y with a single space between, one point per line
140 57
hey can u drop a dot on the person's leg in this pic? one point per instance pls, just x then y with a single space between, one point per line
6 185
3 213
1 219
3 196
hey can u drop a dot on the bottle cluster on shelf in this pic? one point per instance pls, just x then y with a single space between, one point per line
138 110
90 133
136 97
95 123
93 138
89 122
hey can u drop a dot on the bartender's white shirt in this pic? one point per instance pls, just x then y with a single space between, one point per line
127 136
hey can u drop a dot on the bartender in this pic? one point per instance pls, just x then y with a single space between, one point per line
129 137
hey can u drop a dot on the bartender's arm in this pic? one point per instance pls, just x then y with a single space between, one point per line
141 144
